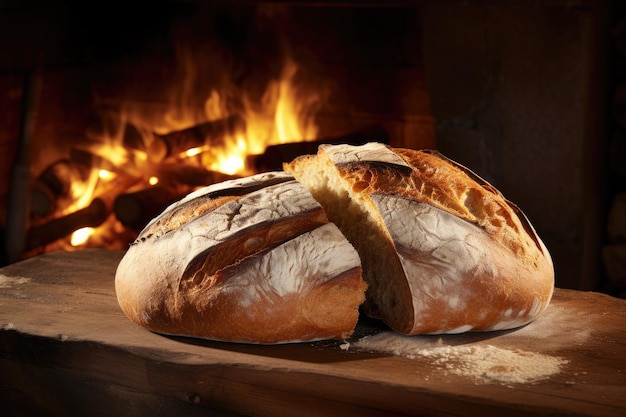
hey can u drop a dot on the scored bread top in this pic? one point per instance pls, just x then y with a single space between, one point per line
442 250
429 177
240 261
236 219
207 199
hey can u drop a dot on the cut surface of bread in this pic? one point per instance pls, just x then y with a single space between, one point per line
442 250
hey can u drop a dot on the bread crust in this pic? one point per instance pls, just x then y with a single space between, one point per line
460 256
252 260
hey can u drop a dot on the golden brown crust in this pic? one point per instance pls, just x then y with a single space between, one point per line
248 243
264 266
319 313
457 255
435 180
257 261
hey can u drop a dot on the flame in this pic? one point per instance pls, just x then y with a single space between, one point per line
233 160
80 236
193 151
282 114
82 192
293 120
105 174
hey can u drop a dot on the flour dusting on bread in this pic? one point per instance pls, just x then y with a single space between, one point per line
252 260
442 250
406 236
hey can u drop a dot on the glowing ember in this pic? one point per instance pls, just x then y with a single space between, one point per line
193 152
232 164
104 174
81 236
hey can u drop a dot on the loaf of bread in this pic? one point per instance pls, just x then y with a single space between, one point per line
442 250
271 258
249 260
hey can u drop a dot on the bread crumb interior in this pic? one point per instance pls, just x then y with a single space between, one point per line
388 295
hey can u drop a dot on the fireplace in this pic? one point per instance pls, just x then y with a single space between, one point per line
514 90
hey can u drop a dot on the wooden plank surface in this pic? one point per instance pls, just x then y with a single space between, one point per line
66 348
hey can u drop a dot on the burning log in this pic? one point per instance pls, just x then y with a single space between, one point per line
191 175
52 188
54 183
274 156
136 209
214 132
91 216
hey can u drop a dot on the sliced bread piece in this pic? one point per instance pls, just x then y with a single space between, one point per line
442 250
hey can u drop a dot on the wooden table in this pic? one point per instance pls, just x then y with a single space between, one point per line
67 349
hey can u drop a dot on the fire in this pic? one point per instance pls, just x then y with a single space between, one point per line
81 236
104 174
233 160
138 149
283 115
293 117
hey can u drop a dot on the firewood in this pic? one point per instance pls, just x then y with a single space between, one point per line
91 216
192 175
51 189
214 133
53 184
136 209
274 156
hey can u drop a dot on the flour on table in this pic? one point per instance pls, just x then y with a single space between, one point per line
8 282
555 328
483 363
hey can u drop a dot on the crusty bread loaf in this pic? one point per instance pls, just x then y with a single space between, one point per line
249 260
442 250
